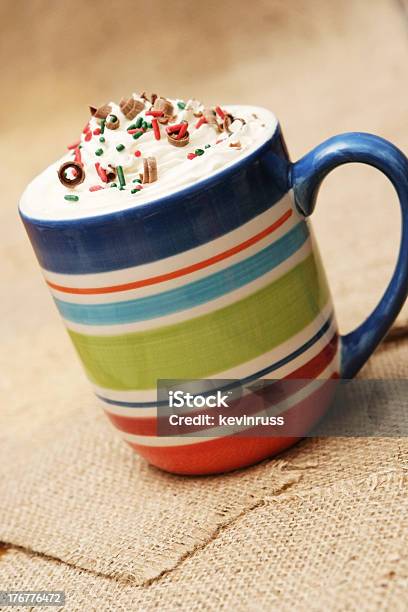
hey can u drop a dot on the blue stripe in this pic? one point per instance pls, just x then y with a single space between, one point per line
192 294
244 381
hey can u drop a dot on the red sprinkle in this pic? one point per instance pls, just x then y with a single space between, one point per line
191 156
135 131
220 112
173 128
95 188
97 131
88 136
74 145
183 130
77 153
86 128
101 172
155 113
200 122
156 129
137 153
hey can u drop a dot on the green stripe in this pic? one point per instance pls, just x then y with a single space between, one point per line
211 343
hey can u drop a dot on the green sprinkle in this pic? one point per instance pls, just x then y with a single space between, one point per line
121 176
145 125
134 190
207 146
113 185
139 122
80 147
137 135
102 139
99 152
103 125
71 198
136 181
149 125
181 105
132 127
120 147
199 151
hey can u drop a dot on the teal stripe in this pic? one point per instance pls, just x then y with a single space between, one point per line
192 294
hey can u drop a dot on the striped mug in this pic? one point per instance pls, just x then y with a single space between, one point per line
218 280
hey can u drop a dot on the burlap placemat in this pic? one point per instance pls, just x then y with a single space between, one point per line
341 547
72 490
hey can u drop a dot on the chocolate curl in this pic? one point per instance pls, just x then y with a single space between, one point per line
131 107
79 174
110 173
112 122
102 112
164 106
149 170
182 142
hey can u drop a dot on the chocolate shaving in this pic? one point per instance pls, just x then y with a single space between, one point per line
102 112
79 174
210 116
166 107
110 173
152 98
237 144
112 122
131 107
226 122
172 138
149 170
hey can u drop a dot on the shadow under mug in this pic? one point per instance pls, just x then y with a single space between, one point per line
219 280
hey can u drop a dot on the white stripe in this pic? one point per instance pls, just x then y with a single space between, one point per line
181 260
238 373
202 309
219 432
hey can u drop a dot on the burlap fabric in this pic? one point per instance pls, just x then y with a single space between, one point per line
74 492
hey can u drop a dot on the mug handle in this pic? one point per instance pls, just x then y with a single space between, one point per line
307 175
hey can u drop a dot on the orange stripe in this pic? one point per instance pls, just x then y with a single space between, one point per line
153 280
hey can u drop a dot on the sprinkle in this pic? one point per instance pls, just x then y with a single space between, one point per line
102 139
103 125
71 198
135 131
99 152
181 105
199 152
77 157
154 113
173 128
88 136
139 122
113 185
101 172
97 131
136 181
207 146
150 125
220 112
86 128
191 156
136 189
137 153
183 130
95 188
145 125
74 145
120 147
137 135
121 177
200 122
156 129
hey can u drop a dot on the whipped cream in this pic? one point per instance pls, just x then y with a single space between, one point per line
210 149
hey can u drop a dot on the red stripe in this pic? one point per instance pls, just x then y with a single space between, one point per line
147 426
232 452
153 280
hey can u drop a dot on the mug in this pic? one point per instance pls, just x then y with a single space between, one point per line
221 279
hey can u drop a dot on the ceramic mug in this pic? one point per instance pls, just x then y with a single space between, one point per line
218 280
